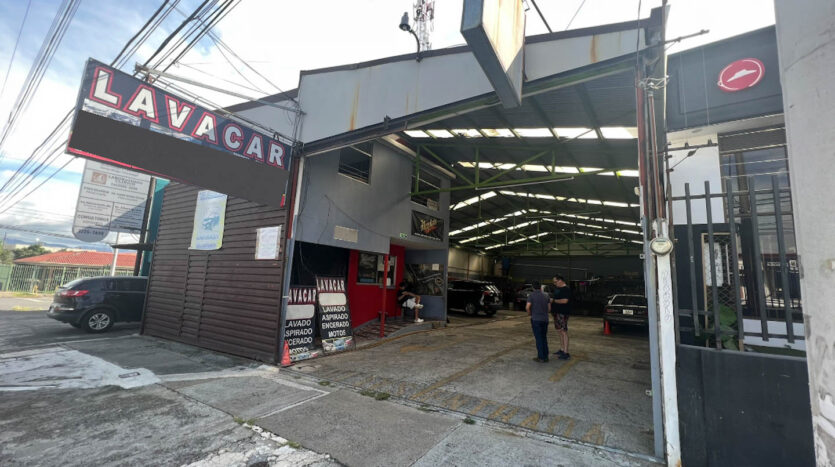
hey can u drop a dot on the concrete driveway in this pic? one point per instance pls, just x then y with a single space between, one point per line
124 399
483 368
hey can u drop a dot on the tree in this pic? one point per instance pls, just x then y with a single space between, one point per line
6 256
31 250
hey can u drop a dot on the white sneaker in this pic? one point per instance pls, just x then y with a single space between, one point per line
418 320
419 306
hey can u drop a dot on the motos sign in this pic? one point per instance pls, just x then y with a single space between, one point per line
128 122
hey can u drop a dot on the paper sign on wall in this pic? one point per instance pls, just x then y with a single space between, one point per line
267 242
209 219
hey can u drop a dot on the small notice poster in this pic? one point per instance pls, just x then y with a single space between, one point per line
209 218
334 315
301 321
267 242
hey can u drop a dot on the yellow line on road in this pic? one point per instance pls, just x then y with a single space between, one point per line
531 422
481 405
561 371
470 369
505 417
454 402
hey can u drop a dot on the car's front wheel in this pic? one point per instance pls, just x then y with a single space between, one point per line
97 321
470 309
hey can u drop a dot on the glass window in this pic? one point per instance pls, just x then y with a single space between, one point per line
355 161
132 285
370 269
426 182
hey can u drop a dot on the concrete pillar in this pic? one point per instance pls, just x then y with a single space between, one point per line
806 47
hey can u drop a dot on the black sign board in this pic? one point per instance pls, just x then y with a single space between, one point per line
426 226
733 79
301 319
131 123
334 314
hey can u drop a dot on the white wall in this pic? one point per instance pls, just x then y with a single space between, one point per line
806 46
695 170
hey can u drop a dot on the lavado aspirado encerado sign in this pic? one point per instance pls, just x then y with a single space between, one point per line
125 121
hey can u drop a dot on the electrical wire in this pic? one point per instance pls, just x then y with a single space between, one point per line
59 26
15 184
218 14
578 11
14 50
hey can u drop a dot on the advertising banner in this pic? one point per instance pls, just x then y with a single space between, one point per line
301 320
209 218
426 226
131 123
111 199
334 314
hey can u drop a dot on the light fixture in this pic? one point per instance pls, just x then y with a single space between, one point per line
478 188
404 26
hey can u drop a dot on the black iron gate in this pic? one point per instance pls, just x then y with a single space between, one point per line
742 377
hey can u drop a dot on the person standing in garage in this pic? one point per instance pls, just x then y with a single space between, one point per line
561 308
537 308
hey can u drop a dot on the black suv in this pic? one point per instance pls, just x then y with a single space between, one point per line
95 303
474 296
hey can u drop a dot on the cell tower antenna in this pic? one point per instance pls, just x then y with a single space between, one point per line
424 22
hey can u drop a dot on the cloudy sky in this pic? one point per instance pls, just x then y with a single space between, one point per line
278 38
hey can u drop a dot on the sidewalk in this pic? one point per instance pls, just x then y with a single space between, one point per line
180 405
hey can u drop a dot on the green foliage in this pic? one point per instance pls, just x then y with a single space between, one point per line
727 324
29 251
469 421
6 256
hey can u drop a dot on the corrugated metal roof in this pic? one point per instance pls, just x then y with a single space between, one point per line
82 258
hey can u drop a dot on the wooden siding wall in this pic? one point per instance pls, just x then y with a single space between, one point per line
223 300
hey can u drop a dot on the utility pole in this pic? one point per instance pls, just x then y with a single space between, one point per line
115 256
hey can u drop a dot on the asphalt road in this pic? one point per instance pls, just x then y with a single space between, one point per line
30 329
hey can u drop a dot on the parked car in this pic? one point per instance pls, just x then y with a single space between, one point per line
521 297
626 309
95 303
474 296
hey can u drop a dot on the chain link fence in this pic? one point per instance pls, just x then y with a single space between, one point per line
35 278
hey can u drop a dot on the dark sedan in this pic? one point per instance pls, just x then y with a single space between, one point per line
474 296
95 303
626 309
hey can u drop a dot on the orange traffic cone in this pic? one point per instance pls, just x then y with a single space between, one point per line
285 356
607 331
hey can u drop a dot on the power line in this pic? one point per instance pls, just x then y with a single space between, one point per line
54 37
14 50
15 184
217 15
575 14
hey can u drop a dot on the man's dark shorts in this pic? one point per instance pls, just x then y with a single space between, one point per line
561 322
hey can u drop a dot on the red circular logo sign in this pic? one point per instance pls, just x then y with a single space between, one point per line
741 74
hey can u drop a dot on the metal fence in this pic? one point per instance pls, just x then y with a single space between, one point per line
738 282
36 278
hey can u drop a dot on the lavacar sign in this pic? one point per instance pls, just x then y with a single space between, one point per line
334 314
301 319
125 121
427 226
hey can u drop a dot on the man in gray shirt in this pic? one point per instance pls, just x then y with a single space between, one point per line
537 308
